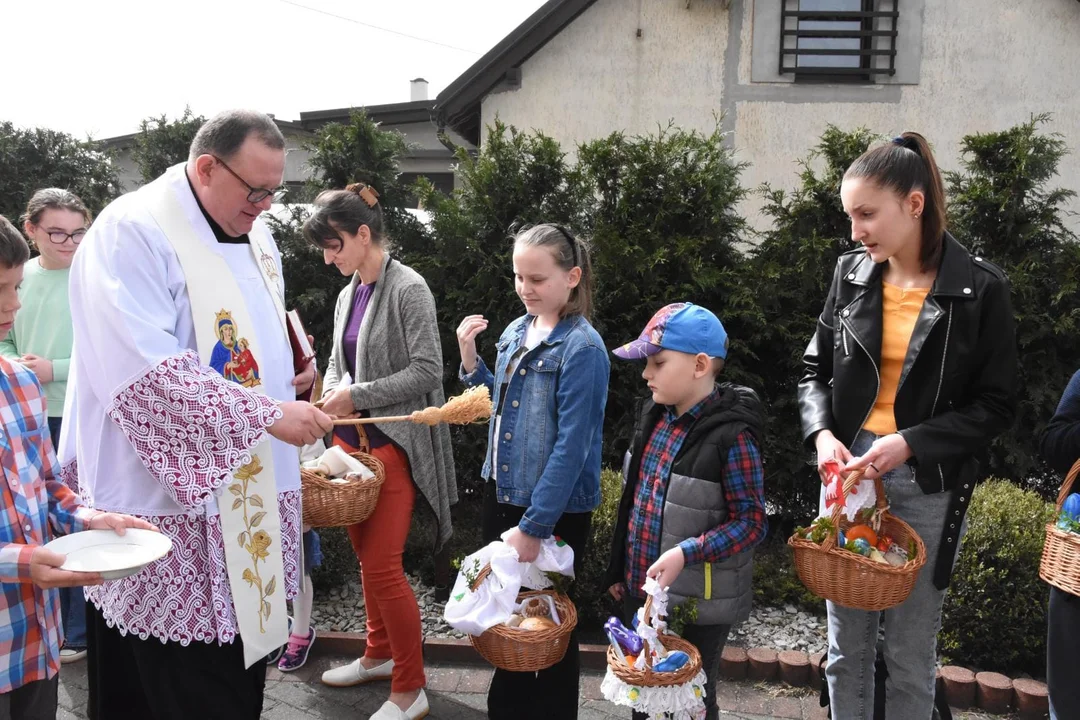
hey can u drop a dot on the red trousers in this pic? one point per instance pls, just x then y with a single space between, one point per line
393 616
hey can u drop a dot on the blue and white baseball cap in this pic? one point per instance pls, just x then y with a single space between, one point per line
683 327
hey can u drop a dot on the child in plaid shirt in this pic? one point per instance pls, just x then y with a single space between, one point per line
31 496
693 505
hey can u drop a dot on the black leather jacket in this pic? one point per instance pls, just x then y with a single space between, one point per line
958 384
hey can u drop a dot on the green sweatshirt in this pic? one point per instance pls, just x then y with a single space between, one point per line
43 327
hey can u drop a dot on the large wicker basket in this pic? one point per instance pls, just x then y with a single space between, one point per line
647 677
509 648
330 504
1060 565
849 579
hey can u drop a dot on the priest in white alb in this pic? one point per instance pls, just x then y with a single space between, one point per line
182 398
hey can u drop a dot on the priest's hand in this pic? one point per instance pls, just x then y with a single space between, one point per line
39 366
45 571
306 378
119 523
301 423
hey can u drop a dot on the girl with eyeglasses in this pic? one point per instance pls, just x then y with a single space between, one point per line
55 221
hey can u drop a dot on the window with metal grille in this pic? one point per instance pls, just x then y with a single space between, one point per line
838 40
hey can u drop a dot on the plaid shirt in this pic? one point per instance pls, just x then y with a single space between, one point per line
32 495
743 490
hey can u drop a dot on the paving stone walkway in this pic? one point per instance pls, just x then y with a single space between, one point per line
459 692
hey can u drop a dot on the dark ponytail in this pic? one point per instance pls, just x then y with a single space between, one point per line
570 252
904 165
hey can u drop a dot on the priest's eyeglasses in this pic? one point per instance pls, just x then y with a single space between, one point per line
255 195
59 237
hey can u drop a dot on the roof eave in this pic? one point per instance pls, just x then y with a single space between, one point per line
458 105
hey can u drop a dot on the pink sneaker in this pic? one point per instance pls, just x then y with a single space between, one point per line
296 652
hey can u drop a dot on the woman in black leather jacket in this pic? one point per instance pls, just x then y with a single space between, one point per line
910 373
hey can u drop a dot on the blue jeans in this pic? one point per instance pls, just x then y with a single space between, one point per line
911 628
72 600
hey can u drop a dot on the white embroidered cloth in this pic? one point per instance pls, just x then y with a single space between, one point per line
683 702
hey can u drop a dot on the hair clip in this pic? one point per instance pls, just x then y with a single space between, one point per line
367 193
901 141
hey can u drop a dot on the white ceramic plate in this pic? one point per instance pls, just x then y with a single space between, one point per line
105 552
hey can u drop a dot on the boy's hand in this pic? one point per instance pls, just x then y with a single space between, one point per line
527 546
119 523
46 573
617 591
667 568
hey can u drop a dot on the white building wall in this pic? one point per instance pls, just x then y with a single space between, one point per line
984 65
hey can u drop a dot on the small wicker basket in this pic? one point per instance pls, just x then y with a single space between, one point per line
509 648
647 677
337 504
849 579
1060 564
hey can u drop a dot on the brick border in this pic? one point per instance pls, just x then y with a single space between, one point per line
794 667
962 689
994 692
1031 698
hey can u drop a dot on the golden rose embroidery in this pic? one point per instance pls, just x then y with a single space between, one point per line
255 542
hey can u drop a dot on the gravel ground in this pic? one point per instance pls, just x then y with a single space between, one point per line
342 610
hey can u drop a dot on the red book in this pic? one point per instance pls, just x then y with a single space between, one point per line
301 346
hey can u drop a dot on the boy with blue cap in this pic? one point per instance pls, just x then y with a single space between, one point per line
693 504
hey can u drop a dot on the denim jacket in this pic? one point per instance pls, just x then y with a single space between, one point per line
552 421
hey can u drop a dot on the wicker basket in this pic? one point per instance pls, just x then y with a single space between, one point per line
646 677
1060 565
849 579
517 650
330 504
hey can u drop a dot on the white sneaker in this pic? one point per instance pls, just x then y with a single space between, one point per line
70 655
356 674
389 711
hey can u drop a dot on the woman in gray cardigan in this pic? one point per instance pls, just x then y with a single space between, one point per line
386 360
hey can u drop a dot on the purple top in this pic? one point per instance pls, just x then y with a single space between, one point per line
361 299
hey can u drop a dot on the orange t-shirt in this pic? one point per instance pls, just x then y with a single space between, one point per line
900 309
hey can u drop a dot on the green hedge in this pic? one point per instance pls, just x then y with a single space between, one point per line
594 604
995 610
662 213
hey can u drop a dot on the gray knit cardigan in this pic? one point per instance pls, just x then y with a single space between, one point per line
399 369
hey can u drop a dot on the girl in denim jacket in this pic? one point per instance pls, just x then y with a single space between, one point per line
543 460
